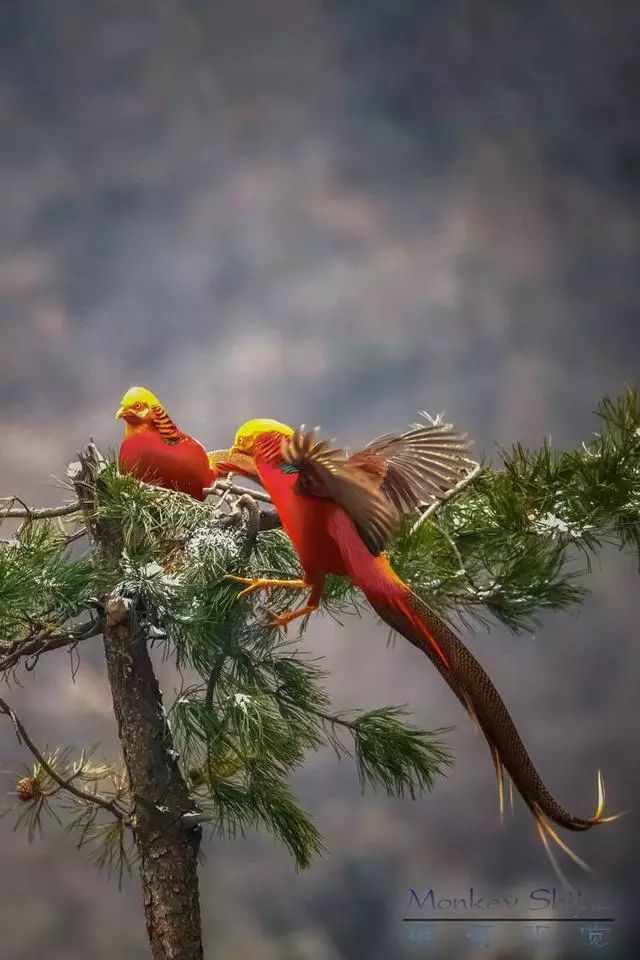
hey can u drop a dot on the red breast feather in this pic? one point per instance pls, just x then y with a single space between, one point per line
182 466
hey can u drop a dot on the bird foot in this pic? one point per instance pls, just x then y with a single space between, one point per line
283 620
254 584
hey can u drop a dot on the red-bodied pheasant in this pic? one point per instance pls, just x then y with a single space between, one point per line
340 513
156 451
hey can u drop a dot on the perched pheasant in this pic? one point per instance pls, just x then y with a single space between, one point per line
156 451
340 513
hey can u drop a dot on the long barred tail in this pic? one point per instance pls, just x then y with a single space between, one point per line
415 621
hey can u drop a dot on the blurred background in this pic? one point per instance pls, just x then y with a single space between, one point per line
336 212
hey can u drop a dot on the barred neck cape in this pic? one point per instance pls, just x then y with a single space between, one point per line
158 452
165 425
340 512
271 447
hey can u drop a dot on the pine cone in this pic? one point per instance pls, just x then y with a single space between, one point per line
27 789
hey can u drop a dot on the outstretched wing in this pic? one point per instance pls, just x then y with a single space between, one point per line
420 465
327 473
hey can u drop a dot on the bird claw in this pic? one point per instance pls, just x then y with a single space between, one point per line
280 620
264 583
283 620
254 584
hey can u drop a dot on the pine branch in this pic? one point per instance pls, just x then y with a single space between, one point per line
474 471
107 843
42 586
47 640
395 756
65 784
34 513
390 752
504 545
508 544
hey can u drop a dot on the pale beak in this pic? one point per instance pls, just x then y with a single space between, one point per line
120 414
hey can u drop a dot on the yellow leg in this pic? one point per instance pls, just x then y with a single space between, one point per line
284 619
260 583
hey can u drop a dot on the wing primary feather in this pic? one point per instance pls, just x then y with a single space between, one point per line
389 478
326 472
420 465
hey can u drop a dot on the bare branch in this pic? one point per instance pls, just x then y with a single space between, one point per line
238 491
23 737
251 510
78 535
269 520
34 513
259 520
334 719
453 492
46 640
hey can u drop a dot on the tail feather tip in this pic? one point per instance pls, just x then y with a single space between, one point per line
598 817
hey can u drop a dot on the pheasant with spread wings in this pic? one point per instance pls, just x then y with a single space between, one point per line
340 512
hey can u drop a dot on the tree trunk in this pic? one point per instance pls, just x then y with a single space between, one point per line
167 844
168 849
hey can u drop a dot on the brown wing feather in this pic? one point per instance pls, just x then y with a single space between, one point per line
327 473
421 464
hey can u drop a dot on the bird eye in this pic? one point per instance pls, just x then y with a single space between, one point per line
137 406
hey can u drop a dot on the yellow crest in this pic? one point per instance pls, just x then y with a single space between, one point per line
139 395
249 431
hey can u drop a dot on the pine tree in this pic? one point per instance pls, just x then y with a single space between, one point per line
145 568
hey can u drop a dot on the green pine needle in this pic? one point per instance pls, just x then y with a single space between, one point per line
510 545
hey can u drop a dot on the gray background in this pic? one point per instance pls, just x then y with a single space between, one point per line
337 213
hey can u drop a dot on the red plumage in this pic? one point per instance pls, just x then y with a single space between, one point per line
155 451
340 512
182 466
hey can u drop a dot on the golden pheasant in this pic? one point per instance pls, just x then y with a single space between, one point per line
340 513
156 451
